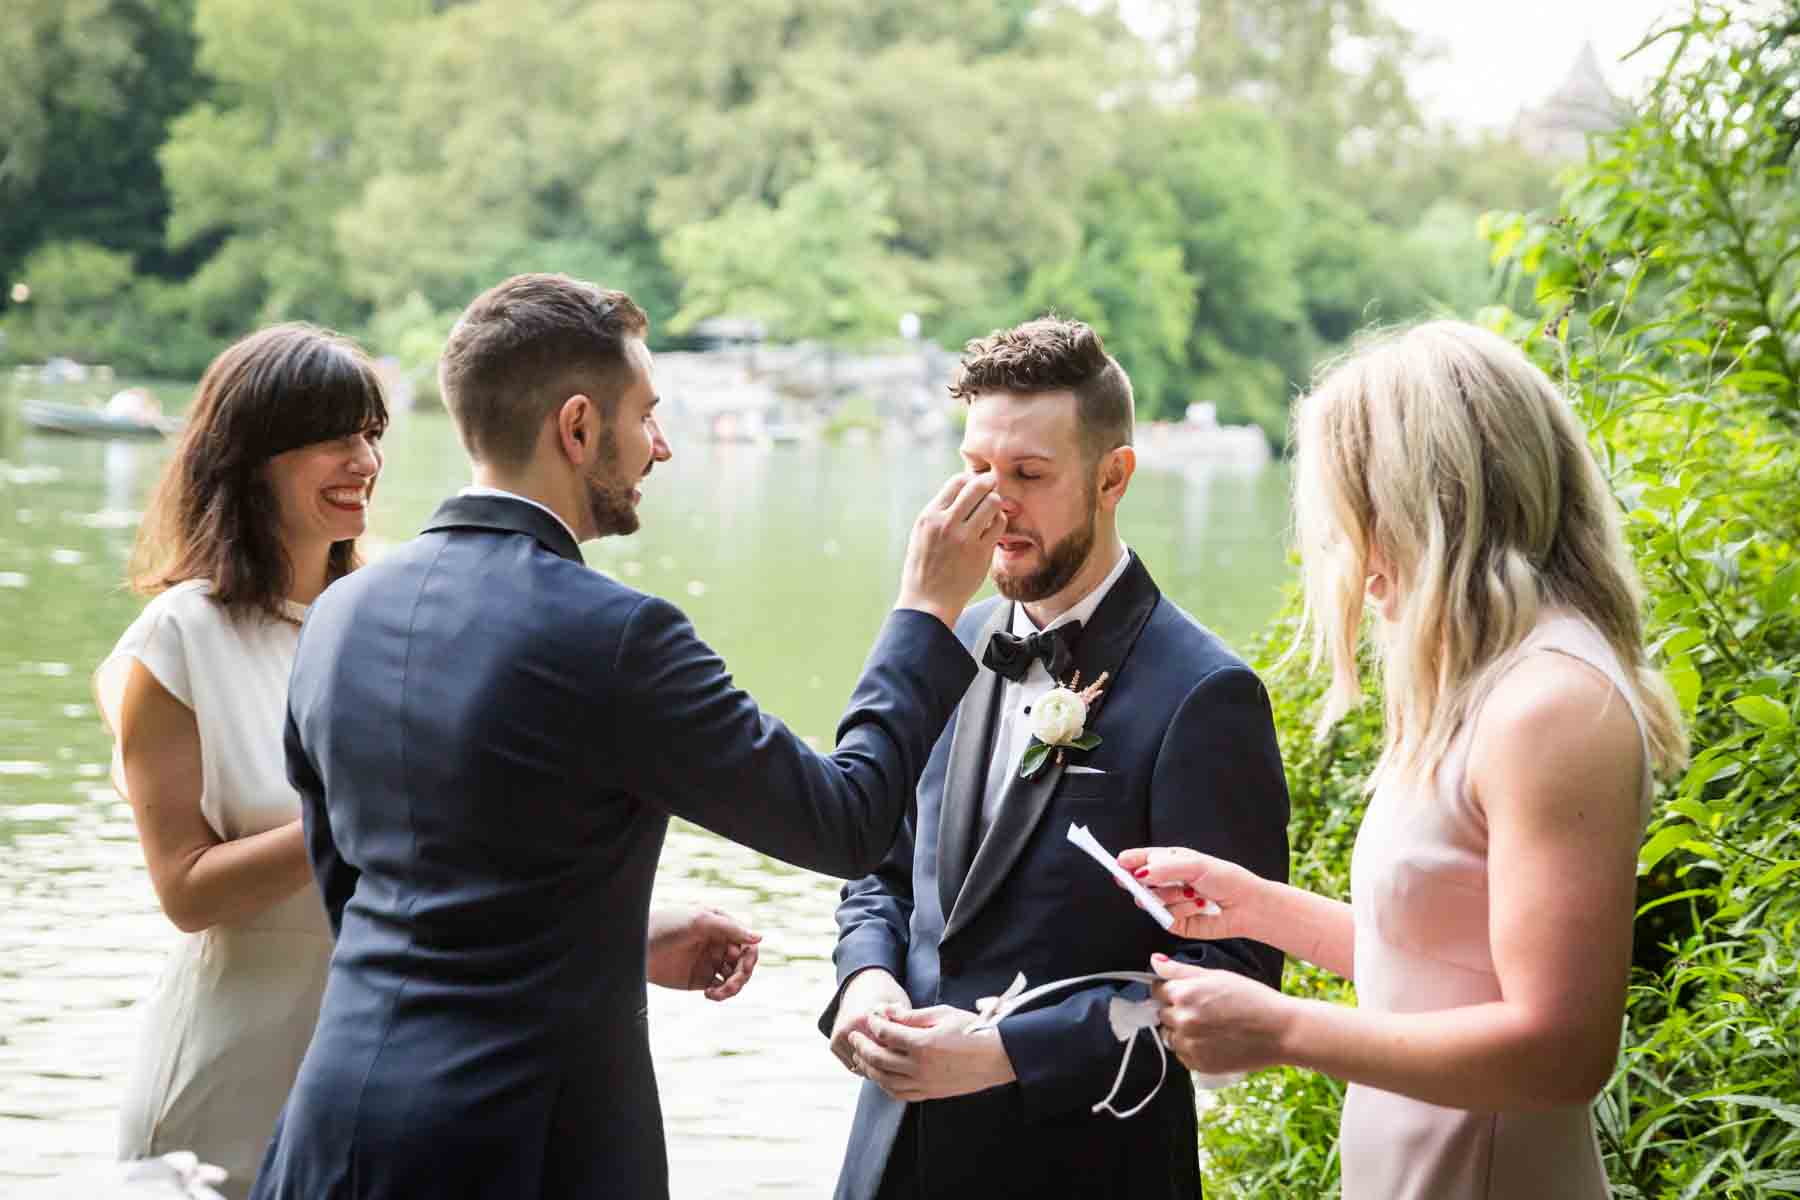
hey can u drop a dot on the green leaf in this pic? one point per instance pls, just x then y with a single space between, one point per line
1787 1112
1774 873
1681 642
1661 844
1086 741
1674 898
1685 681
1755 380
1760 710
1781 590
1036 755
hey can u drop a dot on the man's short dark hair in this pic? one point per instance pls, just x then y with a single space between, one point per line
523 347
1051 354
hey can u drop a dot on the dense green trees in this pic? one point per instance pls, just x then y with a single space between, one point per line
87 91
1199 186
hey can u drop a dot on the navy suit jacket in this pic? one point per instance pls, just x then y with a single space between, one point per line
489 739
1189 759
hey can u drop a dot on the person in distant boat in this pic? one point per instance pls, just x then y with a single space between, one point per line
134 404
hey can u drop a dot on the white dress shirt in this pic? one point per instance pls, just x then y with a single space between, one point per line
477 490
1013 733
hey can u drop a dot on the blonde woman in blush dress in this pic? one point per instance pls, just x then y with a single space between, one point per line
1443 481
257 512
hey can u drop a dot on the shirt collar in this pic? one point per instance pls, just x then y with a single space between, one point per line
1083 609
479 490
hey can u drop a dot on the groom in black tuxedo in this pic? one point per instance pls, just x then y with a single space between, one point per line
982 883
489 739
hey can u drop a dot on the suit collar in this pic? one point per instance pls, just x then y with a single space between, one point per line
1105 644
508 514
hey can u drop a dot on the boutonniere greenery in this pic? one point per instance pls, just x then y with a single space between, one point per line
1059 724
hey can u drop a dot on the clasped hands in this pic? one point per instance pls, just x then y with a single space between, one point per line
914 1054
1217 1022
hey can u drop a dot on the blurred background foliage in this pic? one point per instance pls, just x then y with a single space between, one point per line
1660 291
1211 186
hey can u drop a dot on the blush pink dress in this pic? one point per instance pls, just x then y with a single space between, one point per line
1419 892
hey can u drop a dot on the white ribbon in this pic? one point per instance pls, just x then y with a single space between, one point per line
1128 1018
179 1173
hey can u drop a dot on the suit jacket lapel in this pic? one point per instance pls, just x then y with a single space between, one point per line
506 513
971 747
1104 645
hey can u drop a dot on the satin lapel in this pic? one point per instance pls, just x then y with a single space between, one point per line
1104 645
965 774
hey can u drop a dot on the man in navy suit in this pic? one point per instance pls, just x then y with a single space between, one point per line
983 885
489 739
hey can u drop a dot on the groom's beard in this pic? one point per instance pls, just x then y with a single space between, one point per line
1061 564
609 500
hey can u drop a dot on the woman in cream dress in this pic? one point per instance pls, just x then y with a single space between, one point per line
1443 481
257 512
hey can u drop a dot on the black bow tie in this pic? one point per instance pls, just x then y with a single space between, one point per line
1011 656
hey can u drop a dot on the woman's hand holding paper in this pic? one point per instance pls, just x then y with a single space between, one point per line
1209 897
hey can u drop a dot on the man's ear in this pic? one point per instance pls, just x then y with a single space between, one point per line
1115 471
578 429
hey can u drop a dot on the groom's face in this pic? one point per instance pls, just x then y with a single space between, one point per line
1047 488
630 444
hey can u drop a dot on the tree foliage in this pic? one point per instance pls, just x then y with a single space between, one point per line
87 89
749 258
1207 203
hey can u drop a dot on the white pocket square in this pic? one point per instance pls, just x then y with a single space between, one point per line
1077 769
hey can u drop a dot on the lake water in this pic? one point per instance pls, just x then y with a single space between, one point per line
787 561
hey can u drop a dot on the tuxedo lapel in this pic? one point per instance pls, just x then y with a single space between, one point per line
1105 643
971 747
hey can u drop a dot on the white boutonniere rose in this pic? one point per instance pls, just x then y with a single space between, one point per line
1059 718
1059 724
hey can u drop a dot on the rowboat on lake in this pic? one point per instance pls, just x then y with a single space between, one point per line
48 416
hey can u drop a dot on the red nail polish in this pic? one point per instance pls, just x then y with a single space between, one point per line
1142 872
1187 891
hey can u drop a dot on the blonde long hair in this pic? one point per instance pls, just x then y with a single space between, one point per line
1446 450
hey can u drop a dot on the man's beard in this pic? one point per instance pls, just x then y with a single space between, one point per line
1061 564
609 500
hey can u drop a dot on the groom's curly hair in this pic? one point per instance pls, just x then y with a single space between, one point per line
1052 354
525 346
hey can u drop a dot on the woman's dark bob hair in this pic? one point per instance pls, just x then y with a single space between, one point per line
213 515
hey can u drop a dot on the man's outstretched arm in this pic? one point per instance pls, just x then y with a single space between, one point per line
715 758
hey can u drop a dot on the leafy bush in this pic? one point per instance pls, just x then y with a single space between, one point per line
87 303
1667 308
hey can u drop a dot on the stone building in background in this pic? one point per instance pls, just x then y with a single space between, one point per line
1581 105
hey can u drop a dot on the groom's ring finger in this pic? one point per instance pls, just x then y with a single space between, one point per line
873 1056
